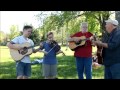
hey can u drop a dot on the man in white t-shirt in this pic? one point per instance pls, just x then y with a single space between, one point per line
23 67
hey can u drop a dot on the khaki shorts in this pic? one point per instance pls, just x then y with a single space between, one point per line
49 70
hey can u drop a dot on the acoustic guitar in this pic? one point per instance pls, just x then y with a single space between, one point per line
73 45
20 54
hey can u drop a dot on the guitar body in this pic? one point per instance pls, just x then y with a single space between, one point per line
19 54
73 45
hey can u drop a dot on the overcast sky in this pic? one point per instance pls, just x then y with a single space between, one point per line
8 18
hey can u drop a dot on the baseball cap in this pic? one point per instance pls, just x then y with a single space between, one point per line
114 22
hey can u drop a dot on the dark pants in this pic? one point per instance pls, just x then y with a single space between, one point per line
112 72
84 64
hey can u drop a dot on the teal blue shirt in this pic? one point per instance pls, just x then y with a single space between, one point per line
50 58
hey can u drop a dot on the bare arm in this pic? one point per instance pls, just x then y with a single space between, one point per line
12 46
73 39
105 45
43 52
60 52
92 39
36 50
101 44
70 39
41 49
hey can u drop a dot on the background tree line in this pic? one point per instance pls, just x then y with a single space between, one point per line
63 24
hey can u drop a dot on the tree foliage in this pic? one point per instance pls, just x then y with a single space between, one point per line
64 24
68 22
13 32
35 36
2 38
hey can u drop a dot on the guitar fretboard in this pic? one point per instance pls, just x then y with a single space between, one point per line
30 47
85 39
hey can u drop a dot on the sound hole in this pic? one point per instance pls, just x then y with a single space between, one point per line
23 51
77 43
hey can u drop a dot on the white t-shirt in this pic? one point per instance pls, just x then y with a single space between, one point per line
21 40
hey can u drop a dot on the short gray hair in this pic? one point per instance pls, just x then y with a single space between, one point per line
84 24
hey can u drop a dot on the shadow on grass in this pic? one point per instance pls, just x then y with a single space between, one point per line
66 69
7 70
98 73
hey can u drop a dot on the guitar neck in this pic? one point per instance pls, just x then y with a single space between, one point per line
30 47
86 39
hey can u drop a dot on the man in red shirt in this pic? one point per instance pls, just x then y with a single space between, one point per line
83 54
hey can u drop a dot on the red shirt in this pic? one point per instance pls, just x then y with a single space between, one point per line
86 50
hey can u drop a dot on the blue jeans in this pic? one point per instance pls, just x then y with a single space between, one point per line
112 72
82 64
23 69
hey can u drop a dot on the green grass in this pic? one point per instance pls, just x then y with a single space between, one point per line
66 66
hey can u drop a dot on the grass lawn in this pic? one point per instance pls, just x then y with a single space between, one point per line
66 66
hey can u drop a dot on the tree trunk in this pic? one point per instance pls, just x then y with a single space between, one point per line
62 36
103 29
